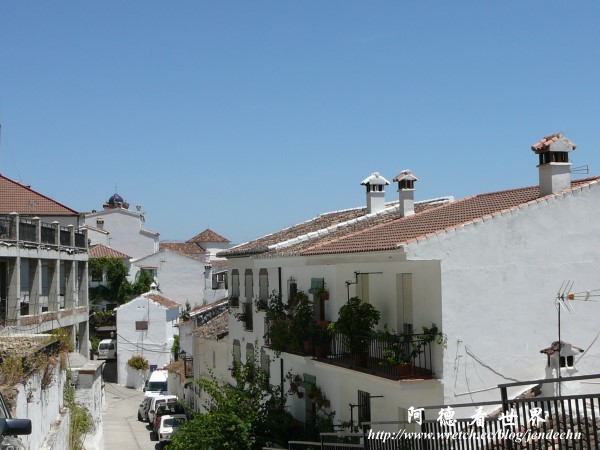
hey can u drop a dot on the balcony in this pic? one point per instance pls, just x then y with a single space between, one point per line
379 353
32 231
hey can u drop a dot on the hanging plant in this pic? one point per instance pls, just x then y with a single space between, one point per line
138 362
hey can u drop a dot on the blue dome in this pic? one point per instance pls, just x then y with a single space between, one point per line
115 200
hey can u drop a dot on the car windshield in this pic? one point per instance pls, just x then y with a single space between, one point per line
175 408
157 386
173 422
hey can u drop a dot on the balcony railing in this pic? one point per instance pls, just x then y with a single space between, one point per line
34 231
383 354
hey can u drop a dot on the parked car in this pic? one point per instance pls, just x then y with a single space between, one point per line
10 428
168 426
166 409
144 408
155 402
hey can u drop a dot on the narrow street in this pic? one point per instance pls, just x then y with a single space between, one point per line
122 430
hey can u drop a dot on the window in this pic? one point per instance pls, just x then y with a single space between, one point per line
265 362
235 283
151 270
248 285
566 361
237 351
141 325
263 284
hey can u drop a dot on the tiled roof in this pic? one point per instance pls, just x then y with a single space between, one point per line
184 248
216 328
208 235
357 232
163 301
102 251
95 229
545 142
401 231
15 197
330 224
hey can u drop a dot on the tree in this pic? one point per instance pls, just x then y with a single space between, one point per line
117 288
247 416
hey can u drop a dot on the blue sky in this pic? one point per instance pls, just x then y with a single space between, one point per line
247 117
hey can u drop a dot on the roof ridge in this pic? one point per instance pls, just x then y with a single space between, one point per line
580 184
394 205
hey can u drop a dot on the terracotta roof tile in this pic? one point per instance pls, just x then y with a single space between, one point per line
163 301
545 142
15 197
208 235
216 328
336 223
184 248
400 231
102 251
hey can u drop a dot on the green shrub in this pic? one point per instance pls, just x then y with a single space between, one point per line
138 362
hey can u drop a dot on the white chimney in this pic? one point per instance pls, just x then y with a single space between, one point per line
100 223
554 167
375 184
406 190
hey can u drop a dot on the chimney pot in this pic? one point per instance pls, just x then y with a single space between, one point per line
375 184
554 166
406 190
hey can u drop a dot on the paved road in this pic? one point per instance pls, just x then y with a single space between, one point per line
122 430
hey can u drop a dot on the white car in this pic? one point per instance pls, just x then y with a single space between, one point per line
168 426
154 402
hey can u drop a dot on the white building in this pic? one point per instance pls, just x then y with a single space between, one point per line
125 228
203 349
184 271
485 269
145 327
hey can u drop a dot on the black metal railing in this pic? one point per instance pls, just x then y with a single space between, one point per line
383 354
6 229
80 240
48 234
65 237
27 231
563 422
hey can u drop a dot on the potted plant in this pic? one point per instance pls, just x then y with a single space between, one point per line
323 293
356 321
278 324
303 321
400 355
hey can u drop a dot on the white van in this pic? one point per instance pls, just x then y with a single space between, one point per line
107 349
157 383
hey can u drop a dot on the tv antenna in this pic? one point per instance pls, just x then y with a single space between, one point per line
563 301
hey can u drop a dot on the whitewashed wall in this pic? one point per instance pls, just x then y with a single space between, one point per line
126 230
179 278
154 344
499 281
41 406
